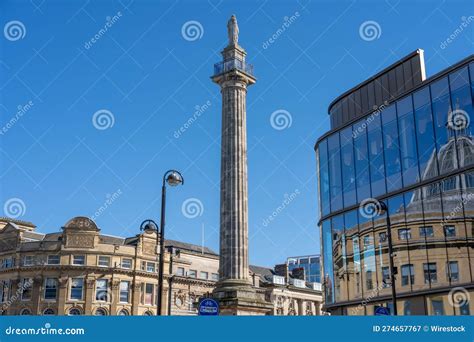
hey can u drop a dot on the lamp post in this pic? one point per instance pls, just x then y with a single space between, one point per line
173 178
384 209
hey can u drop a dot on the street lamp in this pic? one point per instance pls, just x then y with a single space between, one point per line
173 178
384 210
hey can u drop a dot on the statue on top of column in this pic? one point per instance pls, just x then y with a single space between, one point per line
233 30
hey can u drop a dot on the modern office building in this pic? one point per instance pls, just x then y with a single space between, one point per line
310 264
400 145
80 271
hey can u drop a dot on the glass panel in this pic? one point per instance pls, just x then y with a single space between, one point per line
359 131
407 132
339 258
392 149
439 305
335 172
425 134
434 270
348 167
353 255
369 272
461 114
327 261
323 178
444 139
468 200
377 170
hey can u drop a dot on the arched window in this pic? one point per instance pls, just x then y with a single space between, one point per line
74 312
48 312
100 312
123 312
25 312
148 313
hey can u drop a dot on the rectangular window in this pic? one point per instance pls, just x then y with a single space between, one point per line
323 178
368 280
214 276
391 147
127 263
5 286
430 272
29 260
53 259
382 237
50 288
404 234
408 275
101 290
26 288
192 274
408 152
203 275
150 267
79 260
386 276
335 178
348 167
437 307
426 232
77 287
180 271
450 231
453 271
149 294
124 291
104 261
8 262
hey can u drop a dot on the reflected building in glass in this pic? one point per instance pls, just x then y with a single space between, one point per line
309 264
406 141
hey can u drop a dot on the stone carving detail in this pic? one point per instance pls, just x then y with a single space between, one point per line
233 30
149 248
80 240
309 310
180 298
291 309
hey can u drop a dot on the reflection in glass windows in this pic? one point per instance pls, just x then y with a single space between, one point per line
377 169
407 133
348 167
323 177
361 159
335 172
391 147
327 261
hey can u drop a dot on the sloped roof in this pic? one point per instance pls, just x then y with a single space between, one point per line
189 247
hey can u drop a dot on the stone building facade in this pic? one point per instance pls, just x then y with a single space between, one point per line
80 271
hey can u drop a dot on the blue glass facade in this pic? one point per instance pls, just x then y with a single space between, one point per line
414 153
311 265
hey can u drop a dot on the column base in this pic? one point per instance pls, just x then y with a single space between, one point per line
239 298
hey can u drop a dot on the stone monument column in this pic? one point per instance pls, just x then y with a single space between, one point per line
234 289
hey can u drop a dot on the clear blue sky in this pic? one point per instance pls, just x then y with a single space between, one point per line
151 78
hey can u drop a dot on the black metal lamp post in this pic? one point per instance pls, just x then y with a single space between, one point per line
173 178
384 209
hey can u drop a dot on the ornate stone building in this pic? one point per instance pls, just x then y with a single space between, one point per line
80 271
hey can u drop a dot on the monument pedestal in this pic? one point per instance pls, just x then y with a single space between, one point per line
239 298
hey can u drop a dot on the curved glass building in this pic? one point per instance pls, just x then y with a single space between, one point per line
402 143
